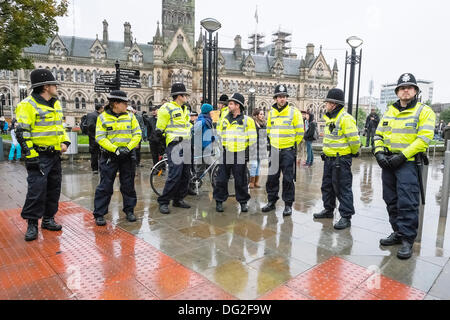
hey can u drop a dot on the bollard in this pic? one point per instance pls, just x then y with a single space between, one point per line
446 184
1 149
73 149
422 206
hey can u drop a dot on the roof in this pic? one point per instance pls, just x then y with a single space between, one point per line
80 47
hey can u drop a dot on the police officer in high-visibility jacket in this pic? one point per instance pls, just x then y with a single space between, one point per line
238 133
222 106
340 145
173 121
43 139
285 131
118 133
402 138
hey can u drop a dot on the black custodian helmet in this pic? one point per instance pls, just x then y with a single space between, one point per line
281 90
118 95
223 99
407 80
239 98
42 77
178 89
336 96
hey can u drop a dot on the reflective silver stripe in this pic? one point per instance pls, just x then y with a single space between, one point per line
352 143
179 133
431 128
27 134
331 137
405 131
299 127
120 140
401 119
136 130
336 145
25 126
338 121
176 126
354 134
388 141
378 138
231 139
281 128
112 133
47 134
48 124
399 145
283 135
427 140
384 129
124 121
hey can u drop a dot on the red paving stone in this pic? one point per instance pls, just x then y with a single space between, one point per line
91 263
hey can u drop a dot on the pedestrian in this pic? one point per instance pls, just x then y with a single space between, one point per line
203 128
261 131
238 134
401 141
2 124
446 135
285 130
15 146
310 137
372 122
43 139
340 145
439 130
193 116
173 120
301 148
94 147
118 133
157 147
5 127
140 120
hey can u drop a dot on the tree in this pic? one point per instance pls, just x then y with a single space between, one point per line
362 116
445 115
24 23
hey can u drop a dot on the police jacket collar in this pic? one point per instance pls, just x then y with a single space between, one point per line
110 112
275 106
239 118
410 105
40 100
333 114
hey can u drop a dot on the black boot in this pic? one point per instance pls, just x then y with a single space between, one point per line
405 251
271 206
344 223
219 207
32 231
181 204
244 207
392 240
50 224
324 215
164 209
100 221
131 217
287 211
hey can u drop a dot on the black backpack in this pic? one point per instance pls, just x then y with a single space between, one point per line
83 125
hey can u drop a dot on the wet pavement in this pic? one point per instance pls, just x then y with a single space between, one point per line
201 254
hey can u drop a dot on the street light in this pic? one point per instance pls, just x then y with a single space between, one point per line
354 42
211 25
251 104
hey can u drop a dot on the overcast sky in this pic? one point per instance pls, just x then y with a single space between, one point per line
399 35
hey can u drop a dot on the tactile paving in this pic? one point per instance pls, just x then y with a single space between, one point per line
205 291
343 270
284 293
129 290
392 290
46 289
359 294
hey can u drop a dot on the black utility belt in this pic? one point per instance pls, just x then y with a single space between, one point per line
288 149
325 157
46 150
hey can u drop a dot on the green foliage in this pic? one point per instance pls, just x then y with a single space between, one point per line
362 116
445 115
24 23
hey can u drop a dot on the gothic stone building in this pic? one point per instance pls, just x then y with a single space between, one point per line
172 56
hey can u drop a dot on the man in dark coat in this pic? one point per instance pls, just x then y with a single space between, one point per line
372 122
94 148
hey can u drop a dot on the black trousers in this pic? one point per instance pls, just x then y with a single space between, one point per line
155 149
232 163
337 183
94 150
109 165
370 136
43 190
281 161
138 154
401 192
177 183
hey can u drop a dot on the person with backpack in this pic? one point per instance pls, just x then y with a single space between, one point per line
311 135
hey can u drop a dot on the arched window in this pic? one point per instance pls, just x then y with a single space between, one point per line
138 105
75 75
83 104
63 102
82 78
77 103
61 74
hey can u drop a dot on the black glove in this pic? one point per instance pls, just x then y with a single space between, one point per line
34 164
123 152
383 160
356 155
397 160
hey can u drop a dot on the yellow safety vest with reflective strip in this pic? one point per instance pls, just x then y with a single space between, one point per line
344 139
285 129
174 121
223 113
42 125
409 132
237 137
114 131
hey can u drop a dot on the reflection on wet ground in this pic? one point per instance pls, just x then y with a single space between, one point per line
249 255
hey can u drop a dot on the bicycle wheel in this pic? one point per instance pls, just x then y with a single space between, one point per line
158 177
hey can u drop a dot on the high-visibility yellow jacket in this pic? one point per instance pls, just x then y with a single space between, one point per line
237 134
42 125
409 132
174 121
344 138
223 113
285 129
117 130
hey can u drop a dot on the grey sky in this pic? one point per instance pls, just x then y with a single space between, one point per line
399 35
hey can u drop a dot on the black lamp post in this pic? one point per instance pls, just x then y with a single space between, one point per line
353 60
210 54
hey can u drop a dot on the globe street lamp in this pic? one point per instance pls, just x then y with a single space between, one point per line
211 25
354 42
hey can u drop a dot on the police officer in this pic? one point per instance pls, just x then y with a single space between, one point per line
402 138
173 120
340 145
222 106
118 133
238 134
43 139
285 131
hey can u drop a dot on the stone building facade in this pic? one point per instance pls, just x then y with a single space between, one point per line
172 56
